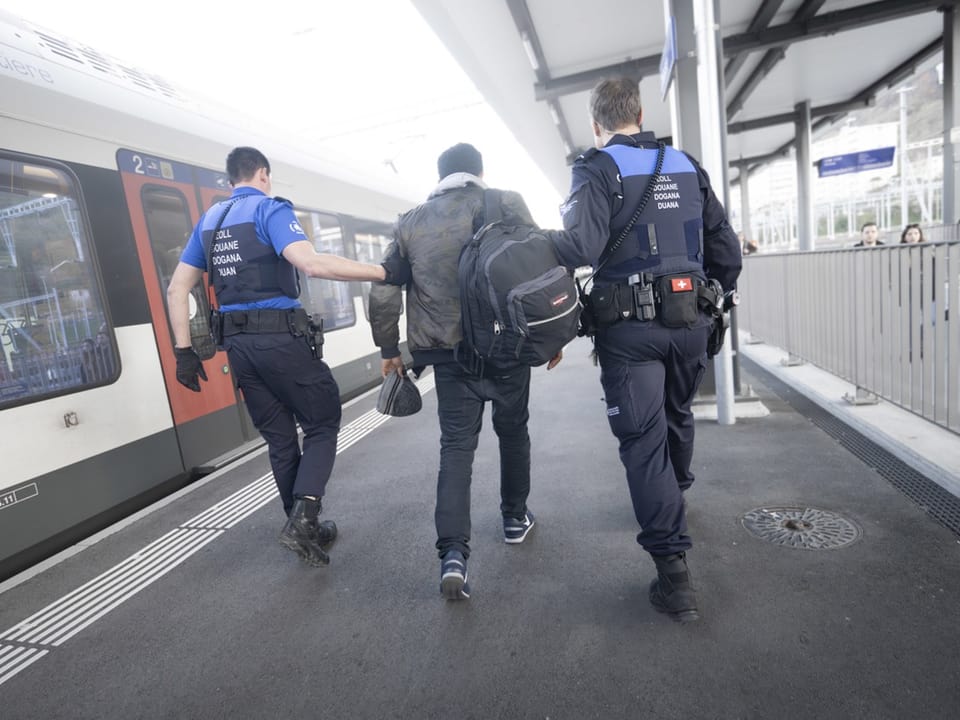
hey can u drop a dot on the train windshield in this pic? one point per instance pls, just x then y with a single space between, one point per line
54 334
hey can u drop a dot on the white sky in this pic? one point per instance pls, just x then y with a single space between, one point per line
366 77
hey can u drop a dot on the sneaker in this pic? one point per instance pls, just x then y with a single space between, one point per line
515 531
453 576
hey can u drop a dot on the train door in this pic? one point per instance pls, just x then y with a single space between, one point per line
162 201
213 187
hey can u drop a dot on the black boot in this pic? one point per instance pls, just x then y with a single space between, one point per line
326 530
326 533
672 592
302 533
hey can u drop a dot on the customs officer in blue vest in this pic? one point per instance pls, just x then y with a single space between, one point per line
664 256
253 247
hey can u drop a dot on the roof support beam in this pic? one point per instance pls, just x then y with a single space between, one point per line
901 71
578 82
531 44
826 24
830 23
791 117
761 20
770 59
862 99
830 113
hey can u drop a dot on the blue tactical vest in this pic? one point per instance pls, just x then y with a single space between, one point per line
242 268
668 236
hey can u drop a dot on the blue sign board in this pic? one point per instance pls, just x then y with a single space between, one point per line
856 162
668 58
141 164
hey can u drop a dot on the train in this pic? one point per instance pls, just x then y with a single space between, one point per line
104 171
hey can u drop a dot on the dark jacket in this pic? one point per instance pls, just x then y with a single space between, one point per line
598 196
424 255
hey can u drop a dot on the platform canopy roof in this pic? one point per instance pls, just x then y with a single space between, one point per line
536 60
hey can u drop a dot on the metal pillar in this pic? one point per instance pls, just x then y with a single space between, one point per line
683 98
745 203
904 162
697 117
806 232
724 181
951 116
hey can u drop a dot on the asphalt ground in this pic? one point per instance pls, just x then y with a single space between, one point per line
558 627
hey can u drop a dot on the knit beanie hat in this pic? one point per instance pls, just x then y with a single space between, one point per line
462 157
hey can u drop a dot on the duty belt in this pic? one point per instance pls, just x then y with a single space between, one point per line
294 321
236 322
641 298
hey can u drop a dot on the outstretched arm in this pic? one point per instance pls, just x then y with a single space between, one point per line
304 258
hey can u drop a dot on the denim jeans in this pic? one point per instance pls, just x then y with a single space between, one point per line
460 400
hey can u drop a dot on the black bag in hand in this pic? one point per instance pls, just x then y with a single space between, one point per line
399 396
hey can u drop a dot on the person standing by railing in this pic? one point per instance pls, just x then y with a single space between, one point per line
869 235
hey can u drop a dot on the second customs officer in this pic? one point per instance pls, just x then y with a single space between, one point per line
644 216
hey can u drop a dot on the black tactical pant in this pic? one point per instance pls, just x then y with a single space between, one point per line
650 375
460 400
284 384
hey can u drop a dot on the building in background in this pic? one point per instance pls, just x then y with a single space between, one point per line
842 203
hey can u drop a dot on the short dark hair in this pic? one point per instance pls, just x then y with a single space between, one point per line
243 163
868 224
615 103
462 157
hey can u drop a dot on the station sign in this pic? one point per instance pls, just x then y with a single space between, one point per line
856 162
668 58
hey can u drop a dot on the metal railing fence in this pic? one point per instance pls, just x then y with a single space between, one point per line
878 317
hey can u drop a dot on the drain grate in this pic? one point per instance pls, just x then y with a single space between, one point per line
802 528
940 504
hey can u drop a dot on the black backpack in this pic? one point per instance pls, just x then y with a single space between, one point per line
518 304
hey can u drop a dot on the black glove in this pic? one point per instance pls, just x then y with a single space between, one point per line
189 368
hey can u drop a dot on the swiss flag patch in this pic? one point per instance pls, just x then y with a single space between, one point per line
681 284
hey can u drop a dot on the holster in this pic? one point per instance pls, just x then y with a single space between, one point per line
310 328
717 334
316 336
216 327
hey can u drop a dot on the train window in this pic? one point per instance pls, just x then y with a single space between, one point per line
54 332
328 298
169 228
371 241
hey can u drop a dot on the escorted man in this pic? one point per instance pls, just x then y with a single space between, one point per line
257 246
425 253
869 235
648 300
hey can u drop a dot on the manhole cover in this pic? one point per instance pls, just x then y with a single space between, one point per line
804 528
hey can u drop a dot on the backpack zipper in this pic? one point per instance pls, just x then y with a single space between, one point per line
555 317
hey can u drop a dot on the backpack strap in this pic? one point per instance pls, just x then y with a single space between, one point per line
492 200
